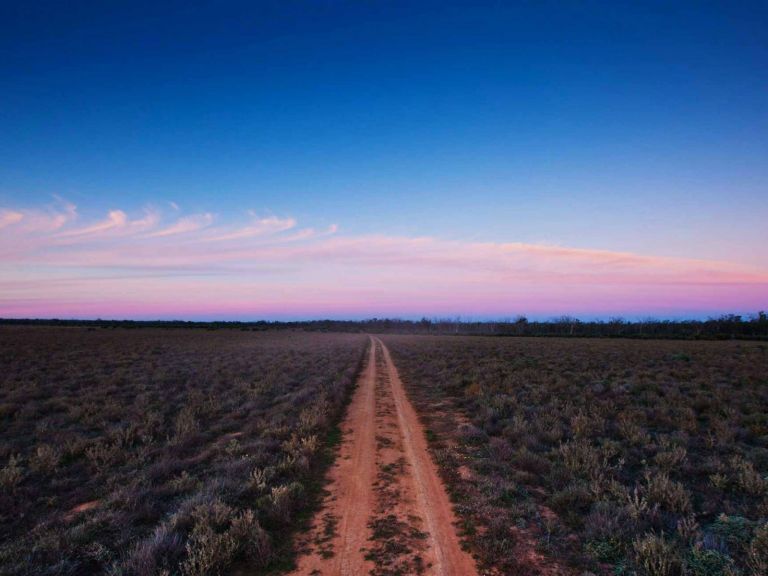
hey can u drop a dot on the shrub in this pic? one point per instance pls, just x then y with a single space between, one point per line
301 446
159 552
572 502
208 552
260 478
633 432
529 461
45 459
657 556
183 482
606 521
219 536
470 434
609 550
688 529
708 563
11 474
580 458
498 543
734 531
668 460
757 553
500 450
284 499
719 481
585 426
638 505
102 455
253 540
667 493
186 423
746 477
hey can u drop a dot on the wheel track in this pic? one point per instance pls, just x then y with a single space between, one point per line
353 502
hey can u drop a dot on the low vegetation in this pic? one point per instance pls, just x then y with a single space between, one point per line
159 452
566 456
725 327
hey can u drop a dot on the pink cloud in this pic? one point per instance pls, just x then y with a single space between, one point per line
8 217
114 219
184 226
259 227
118 266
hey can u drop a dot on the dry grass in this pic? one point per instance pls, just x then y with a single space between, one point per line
193 449
614 457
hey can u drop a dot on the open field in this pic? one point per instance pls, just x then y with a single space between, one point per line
162 451
615 457
195 452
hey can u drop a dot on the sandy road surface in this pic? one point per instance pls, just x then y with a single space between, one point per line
387 510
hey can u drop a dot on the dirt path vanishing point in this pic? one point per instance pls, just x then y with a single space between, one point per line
386 511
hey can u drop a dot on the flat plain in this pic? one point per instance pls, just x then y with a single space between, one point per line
566 456
200 452
162 451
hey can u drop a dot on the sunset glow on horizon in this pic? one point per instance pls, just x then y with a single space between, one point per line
167 264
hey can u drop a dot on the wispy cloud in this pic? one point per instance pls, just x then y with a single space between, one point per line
184 226
259 227
41 220
8 217
115 219
53 263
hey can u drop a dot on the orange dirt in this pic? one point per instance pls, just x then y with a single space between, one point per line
350 498
79 509
387 510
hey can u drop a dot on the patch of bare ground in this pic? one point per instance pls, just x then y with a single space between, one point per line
75 511
386 512
433 504
397 541
339 532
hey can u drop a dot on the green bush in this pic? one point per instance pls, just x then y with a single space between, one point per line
610 550
709 563
734 531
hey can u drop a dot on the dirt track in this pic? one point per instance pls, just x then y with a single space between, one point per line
386 510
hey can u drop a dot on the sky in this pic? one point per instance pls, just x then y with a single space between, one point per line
287 160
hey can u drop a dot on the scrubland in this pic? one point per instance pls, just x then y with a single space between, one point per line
601 456
150 452
194 452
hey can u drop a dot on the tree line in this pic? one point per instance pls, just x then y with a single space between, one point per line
728 326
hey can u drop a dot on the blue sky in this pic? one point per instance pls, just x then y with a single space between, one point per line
628 127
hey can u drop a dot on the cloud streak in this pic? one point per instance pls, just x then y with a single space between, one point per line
116 219
206 266
8 217
184 226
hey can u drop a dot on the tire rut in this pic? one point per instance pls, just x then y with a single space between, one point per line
386 511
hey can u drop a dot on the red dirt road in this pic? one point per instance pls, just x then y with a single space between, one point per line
387 510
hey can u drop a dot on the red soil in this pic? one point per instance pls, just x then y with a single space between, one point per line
384 473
